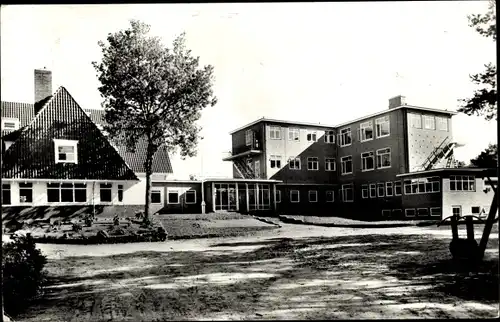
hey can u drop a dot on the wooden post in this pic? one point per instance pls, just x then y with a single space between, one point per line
470 227
237 198
454 227
247 197
489 222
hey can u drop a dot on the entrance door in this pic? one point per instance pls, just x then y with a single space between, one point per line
456 210
225 197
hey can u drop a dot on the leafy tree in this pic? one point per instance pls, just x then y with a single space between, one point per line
484 100
486 159
152 93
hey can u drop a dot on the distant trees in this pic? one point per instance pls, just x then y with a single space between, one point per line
484 100
152 93
486 159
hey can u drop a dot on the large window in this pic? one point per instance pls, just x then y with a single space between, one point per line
312 163
294 163
120 192
329 196
347 192
373 190
398 188
364 191
275 161
429 122
313 196
346 164
105 192
329 137
415 120
66 192
330 164
6 195
293 134
156 196
345 137
26 192
442 123
275 132
410 212
380 189
172 196
312 136
190 197
436 212
422 185
366 131
66 151
462 183
389 190
294 196
249 137
367 161
384 158
382 125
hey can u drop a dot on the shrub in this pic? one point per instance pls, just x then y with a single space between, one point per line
89 220
116 220
77 227
23 276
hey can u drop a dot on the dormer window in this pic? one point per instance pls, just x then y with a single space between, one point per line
10 124
66 151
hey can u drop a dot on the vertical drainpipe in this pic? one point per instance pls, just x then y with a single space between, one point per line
93 198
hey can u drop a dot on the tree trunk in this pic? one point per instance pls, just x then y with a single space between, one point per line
148 167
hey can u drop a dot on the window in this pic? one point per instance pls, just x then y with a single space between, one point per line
398 191
275 132
442 123
367 161
462 183
366 131
389 189
278 196
456 210
66 151
66 192
105 192
364 191
311 136
345 137
384 158
380 189
312 163
422 212
313 196
249 137
6 195
293 134
397 213
329 196
294 163
329 137
422 185
156 196
410 212
294 196
347 192
330 164
415 120
373 190
475 210
190 197
10 124
275 161
382 125
436 212
25 192
346 164
172 196
120 192
429 122
386 213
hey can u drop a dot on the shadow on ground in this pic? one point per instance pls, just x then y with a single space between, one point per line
377 276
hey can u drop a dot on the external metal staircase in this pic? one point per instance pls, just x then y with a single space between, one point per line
244 169
442 151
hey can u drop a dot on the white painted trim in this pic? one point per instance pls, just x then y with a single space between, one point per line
317 163
195 197
390 158
14 120
377 122
172 190
307 184
65 143
414 214
298 195
430 212
160 190
427 209
309 195
63 180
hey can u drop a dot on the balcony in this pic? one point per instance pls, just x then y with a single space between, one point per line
244 151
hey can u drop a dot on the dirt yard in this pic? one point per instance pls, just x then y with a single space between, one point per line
294 272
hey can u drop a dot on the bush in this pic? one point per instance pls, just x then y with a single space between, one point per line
89 220
116 220
23 276
77 227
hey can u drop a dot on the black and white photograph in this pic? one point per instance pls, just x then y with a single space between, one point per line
249 161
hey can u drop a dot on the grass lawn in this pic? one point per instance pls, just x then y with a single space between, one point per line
359 276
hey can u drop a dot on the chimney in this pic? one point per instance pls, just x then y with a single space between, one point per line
397 101
43 87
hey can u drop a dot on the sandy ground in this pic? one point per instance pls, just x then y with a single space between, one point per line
294 272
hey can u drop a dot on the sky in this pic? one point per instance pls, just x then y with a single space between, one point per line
311 62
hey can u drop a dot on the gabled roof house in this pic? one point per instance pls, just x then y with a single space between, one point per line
55 154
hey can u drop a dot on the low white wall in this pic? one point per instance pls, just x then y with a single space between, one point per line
466 199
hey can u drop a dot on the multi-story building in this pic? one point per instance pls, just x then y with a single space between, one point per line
354 168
